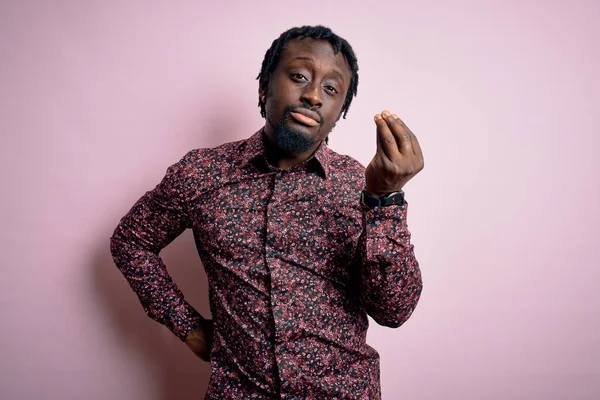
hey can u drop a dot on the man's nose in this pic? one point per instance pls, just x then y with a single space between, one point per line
312 95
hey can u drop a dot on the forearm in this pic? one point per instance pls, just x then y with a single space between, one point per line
391 280
147 275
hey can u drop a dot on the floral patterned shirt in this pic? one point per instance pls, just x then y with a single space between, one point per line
294 262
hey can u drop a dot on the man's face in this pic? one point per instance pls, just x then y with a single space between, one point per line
305 95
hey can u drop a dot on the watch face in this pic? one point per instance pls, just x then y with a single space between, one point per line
394 198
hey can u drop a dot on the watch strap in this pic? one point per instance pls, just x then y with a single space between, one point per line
390 199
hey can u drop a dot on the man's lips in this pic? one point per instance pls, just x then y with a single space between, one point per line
306 116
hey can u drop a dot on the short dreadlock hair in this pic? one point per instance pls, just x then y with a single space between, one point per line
318 32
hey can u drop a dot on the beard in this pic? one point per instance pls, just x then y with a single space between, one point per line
290 140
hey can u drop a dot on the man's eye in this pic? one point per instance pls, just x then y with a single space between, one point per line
331 89
298 77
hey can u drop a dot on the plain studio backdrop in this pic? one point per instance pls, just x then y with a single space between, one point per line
98 98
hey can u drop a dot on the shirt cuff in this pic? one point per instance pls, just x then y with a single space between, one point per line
184 320
385 221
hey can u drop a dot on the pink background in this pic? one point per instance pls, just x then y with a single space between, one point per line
97 98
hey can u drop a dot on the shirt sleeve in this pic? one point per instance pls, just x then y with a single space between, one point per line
155 220
390 278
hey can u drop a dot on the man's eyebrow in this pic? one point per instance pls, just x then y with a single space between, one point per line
304 58
310 60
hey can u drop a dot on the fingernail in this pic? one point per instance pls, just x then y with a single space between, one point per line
385 113
395 116
377 117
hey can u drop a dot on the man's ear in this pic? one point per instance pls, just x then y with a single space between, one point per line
262 94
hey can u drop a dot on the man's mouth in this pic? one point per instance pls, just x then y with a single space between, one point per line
305 116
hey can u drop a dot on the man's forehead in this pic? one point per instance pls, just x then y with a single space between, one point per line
313 48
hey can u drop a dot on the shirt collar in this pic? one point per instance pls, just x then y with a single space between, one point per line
255 151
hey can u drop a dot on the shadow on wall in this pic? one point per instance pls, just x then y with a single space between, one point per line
180 374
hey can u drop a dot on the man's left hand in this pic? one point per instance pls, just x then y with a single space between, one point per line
398 158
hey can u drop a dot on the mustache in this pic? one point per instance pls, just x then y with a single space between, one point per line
290 108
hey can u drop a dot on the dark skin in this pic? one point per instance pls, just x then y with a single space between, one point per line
398 158
309 73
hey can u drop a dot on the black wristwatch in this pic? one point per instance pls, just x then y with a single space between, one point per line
390 199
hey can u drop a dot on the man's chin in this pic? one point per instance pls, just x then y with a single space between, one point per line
292 140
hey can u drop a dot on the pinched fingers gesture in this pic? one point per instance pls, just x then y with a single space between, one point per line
398 157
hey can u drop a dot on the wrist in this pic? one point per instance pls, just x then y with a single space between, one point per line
381 192
377 195
200 332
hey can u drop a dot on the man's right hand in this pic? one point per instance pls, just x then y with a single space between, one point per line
200 340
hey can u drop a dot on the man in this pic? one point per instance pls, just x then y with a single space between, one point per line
298 242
